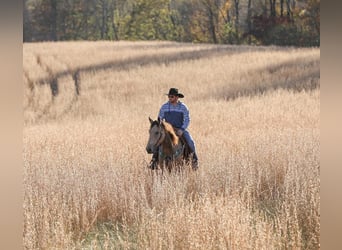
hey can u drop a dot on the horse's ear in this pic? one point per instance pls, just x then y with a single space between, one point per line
162 124
159 121
151 121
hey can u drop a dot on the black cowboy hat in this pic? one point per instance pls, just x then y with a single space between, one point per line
174 91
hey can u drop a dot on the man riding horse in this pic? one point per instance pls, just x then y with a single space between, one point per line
176 113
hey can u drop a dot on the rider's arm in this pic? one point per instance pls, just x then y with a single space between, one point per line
186 117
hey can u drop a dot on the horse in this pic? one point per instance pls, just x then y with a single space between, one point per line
173 151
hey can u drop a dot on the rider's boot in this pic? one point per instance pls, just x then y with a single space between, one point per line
194 161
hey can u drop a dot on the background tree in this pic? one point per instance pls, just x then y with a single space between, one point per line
27 23
237 17
150 20
283 22
311 16
44 20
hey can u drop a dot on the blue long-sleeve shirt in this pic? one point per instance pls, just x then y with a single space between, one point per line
178 115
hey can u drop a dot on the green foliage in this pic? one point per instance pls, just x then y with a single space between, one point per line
230 34
150 20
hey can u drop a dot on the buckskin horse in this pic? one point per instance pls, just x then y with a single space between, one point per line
173 152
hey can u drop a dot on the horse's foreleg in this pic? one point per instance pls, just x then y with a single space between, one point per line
168 163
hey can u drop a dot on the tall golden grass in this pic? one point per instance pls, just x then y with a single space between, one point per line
255 120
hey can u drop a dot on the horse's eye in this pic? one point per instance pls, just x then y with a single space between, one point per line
157 133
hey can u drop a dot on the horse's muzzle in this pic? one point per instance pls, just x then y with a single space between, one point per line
149 150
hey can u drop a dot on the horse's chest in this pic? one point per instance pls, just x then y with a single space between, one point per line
170 153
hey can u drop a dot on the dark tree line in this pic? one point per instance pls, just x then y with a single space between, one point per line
280 22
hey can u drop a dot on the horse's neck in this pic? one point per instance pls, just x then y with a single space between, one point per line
167 144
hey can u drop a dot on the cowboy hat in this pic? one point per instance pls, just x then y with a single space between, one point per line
174 91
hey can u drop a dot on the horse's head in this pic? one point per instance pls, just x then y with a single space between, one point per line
157 135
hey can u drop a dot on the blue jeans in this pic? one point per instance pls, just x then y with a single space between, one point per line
191 143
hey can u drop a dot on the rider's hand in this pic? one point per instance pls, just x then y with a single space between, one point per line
179 132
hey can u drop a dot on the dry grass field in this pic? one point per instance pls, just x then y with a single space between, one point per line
255 118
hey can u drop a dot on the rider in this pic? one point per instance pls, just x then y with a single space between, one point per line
177 114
